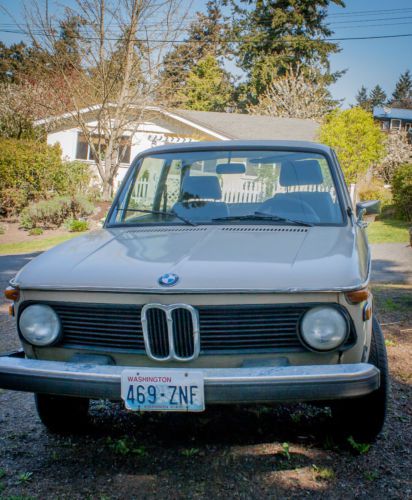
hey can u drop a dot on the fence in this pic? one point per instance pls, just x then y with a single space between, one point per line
247 192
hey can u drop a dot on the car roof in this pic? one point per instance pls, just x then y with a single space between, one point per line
225 145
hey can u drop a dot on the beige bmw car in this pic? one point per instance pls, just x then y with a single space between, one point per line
225 273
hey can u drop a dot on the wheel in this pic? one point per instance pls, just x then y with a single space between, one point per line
363 417
62 414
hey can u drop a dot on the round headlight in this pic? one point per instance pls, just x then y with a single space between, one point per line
39 325
323 328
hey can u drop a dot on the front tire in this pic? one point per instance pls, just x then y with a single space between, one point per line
363 418
62 414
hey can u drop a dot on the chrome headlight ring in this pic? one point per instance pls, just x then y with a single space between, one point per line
324 328
39 325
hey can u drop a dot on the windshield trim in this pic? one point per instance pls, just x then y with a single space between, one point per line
138 161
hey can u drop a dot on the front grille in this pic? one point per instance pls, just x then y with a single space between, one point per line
158 335
251 327
183 333
223 329
97 325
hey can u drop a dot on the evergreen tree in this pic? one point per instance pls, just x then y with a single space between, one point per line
207 87
362 98
377 96
402 95
278 34
206 36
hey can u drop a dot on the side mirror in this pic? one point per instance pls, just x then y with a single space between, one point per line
367 208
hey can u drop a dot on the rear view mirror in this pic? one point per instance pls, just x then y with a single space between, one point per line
230 168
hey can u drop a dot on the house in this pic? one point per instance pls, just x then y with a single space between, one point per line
394 119
160 126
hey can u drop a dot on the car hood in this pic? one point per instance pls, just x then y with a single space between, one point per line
205 258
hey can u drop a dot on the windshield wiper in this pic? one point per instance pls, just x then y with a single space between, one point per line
263 216
158 212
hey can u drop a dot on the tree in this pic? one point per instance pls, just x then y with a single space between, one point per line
377 97
277 34
398 151
207 87
298 94
362 98
356 139
108 61
206 36
402 95
402 191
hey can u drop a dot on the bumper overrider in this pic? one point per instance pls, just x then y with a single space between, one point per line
222 385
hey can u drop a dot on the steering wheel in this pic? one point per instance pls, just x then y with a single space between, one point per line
274 206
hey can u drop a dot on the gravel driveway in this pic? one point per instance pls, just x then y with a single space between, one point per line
282 452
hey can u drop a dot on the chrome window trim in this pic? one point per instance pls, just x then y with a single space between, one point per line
168 309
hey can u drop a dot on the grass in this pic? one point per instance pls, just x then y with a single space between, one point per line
33 246
388 231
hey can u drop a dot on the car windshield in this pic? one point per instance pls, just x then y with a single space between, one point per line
215 187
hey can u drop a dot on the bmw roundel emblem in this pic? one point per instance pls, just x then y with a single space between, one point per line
168 279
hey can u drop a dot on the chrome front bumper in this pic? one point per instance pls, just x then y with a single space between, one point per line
228 385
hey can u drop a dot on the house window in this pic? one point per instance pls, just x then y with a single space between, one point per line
125 150
408 127
395 124
85 152
385 125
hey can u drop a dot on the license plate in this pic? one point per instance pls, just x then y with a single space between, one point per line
162 390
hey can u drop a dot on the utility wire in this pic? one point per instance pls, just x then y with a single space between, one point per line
295 39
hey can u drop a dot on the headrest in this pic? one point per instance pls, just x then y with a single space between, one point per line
202 187
300 173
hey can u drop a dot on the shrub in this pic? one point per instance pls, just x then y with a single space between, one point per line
81 206
402 191
31 171
375 190
356 138
36 231
75 178
52 213
76 226
2 229
11 200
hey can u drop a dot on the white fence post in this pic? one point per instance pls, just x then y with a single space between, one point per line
353 193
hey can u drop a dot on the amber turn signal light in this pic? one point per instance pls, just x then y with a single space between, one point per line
357 296
12 293
367 312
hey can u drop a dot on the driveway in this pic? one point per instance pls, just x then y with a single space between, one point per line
392 263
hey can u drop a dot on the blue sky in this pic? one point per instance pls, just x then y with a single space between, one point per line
367 62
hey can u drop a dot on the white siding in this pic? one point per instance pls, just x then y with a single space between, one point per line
67 140
149 134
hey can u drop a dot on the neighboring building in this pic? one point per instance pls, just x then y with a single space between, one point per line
162 127
394 119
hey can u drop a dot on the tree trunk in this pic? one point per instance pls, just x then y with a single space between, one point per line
107 191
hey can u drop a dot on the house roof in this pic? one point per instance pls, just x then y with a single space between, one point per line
243 126
389 113
225 126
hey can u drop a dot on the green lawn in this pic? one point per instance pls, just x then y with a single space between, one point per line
35 245
388 231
